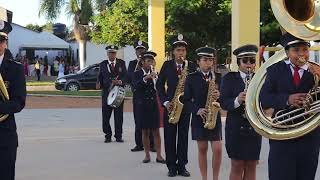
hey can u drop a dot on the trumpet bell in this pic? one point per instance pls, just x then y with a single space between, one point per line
298 17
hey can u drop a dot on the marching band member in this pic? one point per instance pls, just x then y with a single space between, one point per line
176 148
243 144
196 95
112 72
13 77
135 65
287 84
147 111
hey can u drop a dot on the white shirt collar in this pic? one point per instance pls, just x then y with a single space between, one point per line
304 67
207 73
181 65
243 75
144 72
114 62
1 58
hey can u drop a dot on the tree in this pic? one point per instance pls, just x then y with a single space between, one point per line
123 23
34 27
203 22
81 11
269 26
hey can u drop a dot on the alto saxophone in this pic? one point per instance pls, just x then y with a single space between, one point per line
175 113
4 95
212 106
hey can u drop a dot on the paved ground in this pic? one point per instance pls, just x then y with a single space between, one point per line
67 144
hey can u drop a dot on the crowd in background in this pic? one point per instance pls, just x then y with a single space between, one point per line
39 66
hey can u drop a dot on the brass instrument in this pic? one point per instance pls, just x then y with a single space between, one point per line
155 77
212 106
175 113
247 81
4 96
138 65
301 19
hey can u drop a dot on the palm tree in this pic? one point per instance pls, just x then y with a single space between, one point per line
81 11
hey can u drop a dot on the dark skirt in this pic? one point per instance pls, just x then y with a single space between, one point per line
147 114
243 143
203 134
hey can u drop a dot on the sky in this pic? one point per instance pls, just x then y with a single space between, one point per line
27 11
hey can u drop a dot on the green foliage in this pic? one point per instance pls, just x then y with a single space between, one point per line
51 8
269 26
123 23
202 22
34 27
86 12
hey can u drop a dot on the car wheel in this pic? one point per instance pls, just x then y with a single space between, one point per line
73 86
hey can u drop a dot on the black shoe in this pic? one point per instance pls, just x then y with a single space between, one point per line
136 149
184 173
172 173
153 149
120 140
162 161
107 140
146 161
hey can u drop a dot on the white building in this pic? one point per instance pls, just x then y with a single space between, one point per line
96 52
24 41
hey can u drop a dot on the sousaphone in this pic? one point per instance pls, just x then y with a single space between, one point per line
300 18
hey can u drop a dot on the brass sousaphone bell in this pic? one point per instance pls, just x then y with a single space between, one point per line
300 18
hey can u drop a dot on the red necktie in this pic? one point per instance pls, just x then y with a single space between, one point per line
206 77
179 70
296 76
112 66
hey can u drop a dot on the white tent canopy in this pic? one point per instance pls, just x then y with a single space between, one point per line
44 40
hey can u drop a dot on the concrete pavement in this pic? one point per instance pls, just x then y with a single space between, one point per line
67 144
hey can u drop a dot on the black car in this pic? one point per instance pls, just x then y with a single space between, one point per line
83 79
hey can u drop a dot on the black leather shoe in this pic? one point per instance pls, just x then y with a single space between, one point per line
136 149
120 140
146 161
184 173
172 173
162 161
107 140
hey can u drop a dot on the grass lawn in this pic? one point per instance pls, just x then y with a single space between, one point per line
40 83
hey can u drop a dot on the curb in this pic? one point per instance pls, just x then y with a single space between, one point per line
70 96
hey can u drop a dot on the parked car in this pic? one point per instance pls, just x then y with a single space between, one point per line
84 79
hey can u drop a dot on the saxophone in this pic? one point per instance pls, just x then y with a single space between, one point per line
4 95
212 106
174 114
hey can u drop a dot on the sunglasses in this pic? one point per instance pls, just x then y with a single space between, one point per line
251 60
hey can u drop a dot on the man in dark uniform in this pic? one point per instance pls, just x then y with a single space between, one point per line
176 152
287 84
112 73
140 47
14 81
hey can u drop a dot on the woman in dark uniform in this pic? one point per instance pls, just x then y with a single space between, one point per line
195 94
243 144
147 105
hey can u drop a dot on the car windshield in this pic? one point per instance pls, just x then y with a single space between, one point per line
83 70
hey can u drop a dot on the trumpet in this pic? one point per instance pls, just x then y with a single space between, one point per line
154 75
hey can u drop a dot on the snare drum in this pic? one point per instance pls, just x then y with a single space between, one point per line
116 96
